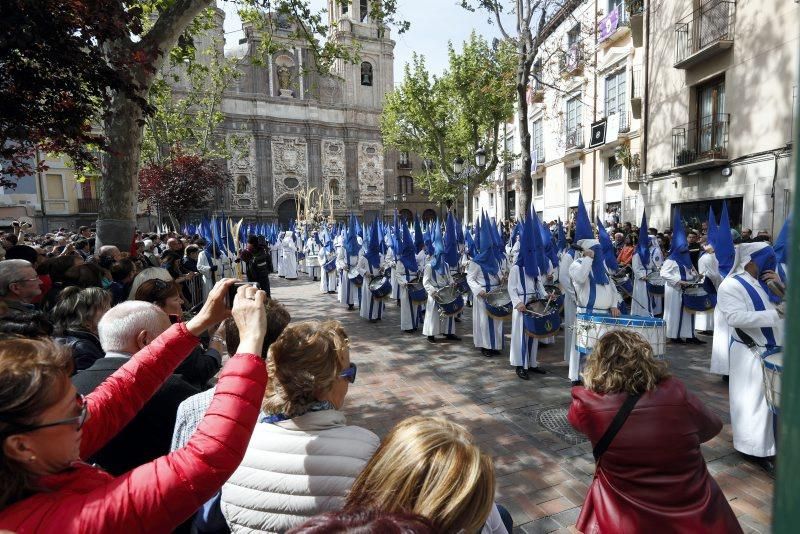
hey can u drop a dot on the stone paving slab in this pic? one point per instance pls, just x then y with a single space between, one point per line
541 478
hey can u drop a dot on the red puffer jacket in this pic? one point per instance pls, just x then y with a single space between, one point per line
158 496
653 477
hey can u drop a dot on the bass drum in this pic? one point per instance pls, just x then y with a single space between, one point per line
541 320
380 287
498 304
449 301
417 293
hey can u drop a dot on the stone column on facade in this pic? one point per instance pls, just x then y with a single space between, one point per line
351 169
264 170
314 163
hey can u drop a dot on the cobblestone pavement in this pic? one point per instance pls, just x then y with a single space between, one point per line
541 478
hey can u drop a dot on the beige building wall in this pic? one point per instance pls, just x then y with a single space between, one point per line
760 85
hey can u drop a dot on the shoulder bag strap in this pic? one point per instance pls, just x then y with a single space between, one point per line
619 419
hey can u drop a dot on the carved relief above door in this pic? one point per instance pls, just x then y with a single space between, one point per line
370 172
289 166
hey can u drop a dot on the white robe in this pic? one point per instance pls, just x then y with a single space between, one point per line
389 261
751 419
606 297
552 276
680 323
371 308
643 303
487 332
435 323
349 293
204 267
708 266
524 349
274 251
328 280
570 307
409 311
720 345
289 258
312 250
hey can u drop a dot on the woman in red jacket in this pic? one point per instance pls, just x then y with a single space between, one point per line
46 428
652 476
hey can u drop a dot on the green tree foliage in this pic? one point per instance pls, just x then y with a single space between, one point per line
444 117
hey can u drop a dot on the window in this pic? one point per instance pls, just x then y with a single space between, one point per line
574 176
363 10
615 97
537 75
511 201
538 141
345 8
404 158
509 144
538 187
334 186
574 35
405 185
55 187
712 122
574 114
614 170
366 73
613 4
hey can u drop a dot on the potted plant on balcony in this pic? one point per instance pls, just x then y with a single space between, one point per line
684 157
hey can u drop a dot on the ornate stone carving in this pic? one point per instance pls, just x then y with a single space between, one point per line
333 170
285 68
370 172
330 90
289 166
242 167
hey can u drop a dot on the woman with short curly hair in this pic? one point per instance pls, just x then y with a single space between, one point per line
650 472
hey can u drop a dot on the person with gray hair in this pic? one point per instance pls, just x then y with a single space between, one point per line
123 331
75 317
19 284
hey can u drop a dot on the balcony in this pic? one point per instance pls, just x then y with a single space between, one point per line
701 144
613 26
403 165
705 33
575 139
636 13
536 90
636 91
88 205
571 61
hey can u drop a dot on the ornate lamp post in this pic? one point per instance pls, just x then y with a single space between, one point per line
465 174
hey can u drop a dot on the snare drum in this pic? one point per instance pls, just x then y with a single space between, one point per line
589 328
541 320
624 285
417 293
356 278
330 266
460 281
655 283
498 304
555 293
772 365
698 300
380 287
449 301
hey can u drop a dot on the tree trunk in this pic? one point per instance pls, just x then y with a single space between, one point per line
525 179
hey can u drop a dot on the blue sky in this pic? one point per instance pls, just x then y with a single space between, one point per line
433 24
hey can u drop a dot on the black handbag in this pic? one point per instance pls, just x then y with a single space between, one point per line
619 419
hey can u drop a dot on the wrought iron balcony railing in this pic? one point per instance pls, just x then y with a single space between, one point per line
700 141
575 138
704 32
88 205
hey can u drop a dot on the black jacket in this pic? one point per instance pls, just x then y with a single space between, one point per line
85 347
149 434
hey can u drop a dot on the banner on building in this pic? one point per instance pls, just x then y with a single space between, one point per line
608 24
598 134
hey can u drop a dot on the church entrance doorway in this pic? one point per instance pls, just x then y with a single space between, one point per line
287 212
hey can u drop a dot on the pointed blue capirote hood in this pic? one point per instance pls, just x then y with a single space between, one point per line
372 246
408 254
713 229
450 240
782 243
583 227
527 247
469 243
486 257
460 237
643 246
607 247
538 243
351 238
549 245
419 237
439 261
679 250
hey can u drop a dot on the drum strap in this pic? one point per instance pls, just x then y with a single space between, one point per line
615 426
758 304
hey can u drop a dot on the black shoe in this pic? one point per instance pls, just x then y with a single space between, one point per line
487 353
695 341
410 331
522 373
495 352
458 320
398 302
576 383
726 378
452 337
316 279
373 320
677 340
431 339
765 463
350 306
537 370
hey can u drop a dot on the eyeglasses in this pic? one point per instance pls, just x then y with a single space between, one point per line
77 420
349 374
25 280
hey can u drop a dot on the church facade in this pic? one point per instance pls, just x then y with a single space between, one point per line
299 130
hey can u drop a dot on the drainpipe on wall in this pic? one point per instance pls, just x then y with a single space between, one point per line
594 117
45 228
645 123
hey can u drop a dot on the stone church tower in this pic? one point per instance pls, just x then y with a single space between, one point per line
300 129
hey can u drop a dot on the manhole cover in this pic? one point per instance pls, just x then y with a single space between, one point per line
555 420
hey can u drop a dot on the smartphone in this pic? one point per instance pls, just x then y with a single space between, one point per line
235 287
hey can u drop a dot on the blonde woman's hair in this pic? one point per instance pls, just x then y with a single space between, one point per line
428 466
305 360
623 361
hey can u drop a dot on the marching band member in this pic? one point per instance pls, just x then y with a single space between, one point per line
405 272
328 279
289 248
281 256
369 266
213 267
755 315
346 262
483 275
436 277
524 284
708 266
646 260
678 272
312 250
389 260
566 258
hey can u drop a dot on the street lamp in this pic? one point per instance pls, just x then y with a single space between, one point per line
480 157
458 165
464 174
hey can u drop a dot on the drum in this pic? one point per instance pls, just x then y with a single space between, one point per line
541 320
655 283
417 293
449 301
498 304
356 278
697 300
312 260
624 285
772 365
380 287
555 293
589 328
460 281
301 256
330 266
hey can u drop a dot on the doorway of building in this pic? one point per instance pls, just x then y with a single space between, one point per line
287 212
